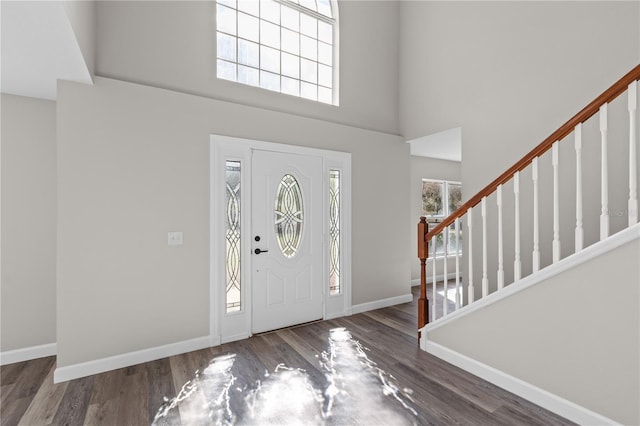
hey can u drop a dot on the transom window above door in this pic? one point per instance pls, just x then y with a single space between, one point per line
286 46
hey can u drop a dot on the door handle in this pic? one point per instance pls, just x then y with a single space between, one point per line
258 251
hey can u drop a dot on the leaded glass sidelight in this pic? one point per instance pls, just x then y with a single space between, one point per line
232 236
334 231
289 215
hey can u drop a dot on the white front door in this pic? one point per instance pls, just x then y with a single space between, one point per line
287 239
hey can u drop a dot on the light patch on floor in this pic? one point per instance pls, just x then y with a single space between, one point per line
356 391
451 293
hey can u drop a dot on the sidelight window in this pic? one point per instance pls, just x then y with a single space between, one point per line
334 232
232 235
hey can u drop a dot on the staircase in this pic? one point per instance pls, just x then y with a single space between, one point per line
551 317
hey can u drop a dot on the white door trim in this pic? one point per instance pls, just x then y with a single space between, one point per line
235 326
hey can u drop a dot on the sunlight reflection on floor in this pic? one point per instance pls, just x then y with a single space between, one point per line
452 293
356 391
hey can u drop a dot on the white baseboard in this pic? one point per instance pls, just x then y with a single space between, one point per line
335 315
234 338
83 369
214 341
26 354
541 397
383 303
440 277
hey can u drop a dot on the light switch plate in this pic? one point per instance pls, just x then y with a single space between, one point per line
174 238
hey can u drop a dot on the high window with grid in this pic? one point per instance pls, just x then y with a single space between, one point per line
287 46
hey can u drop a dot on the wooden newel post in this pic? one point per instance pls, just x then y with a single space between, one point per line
423 253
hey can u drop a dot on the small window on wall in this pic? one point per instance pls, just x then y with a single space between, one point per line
440 198
286 46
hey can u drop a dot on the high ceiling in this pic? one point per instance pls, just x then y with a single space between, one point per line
38 47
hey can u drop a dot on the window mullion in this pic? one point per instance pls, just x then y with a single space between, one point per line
446 199
306 11
237 47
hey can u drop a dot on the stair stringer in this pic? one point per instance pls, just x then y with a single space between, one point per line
566 338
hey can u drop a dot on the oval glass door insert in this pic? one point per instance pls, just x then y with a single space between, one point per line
289 215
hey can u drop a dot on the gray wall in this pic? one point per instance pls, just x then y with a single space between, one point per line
426 168
172 45
28 290
134 164
590 357
509 74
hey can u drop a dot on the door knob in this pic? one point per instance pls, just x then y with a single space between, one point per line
258 251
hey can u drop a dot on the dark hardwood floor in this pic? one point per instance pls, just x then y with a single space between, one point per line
365 369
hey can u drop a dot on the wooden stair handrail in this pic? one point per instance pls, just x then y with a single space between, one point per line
587 112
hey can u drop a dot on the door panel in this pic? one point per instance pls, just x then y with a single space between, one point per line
303 285
275 289
287 226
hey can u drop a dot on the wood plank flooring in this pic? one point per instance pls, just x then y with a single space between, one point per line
364 369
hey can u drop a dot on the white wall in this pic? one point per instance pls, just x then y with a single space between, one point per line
133 165
575 335
28 291
427 168
171 44
509 74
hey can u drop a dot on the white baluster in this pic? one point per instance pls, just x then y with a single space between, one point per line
579 229
500 251
445 300
604 176
517 265
471 295
434 241
633 166
485 279
458 293
556 203
536 219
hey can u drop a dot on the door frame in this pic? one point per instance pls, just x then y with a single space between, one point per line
226 327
